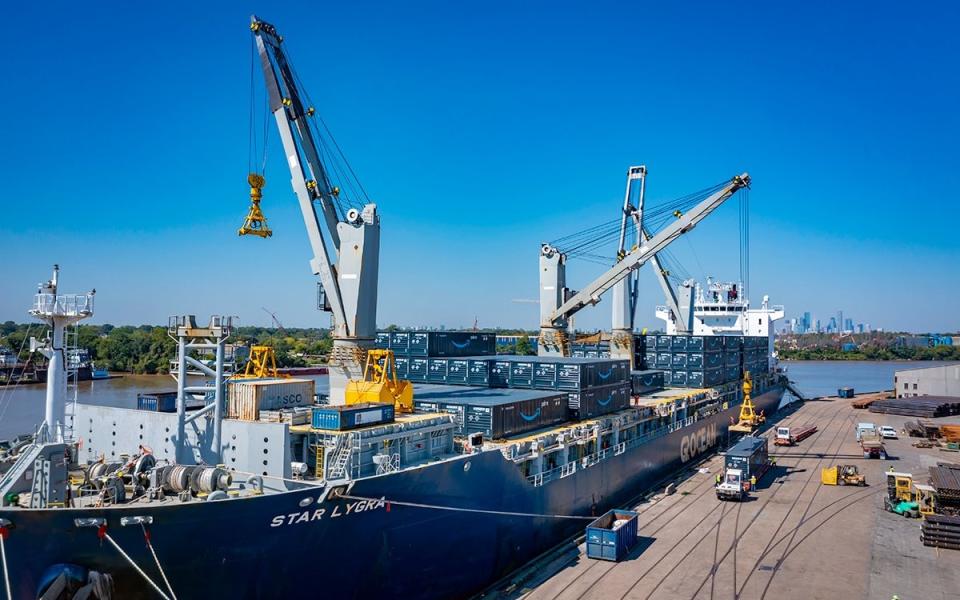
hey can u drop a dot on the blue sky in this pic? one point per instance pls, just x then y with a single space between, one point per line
482 129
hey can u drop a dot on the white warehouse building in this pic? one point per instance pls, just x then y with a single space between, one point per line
931 381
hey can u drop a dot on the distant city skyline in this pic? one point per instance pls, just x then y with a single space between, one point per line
806 323
129 167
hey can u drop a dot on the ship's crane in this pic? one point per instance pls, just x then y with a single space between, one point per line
345 242
626 291
558 304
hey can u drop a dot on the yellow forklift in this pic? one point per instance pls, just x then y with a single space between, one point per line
842 475
904 497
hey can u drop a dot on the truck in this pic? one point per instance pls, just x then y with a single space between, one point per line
872 445
868 428
746 459
788 436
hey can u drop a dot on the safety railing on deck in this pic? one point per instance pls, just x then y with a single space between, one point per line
618 449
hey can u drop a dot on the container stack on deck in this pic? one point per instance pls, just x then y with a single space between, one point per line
918 406
499 391
696 361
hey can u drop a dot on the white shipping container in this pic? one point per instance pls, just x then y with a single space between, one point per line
247 397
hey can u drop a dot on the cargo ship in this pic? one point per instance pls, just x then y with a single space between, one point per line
426 505
494 460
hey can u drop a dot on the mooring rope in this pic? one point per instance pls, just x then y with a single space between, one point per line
3 558
502 513
103 533
146 537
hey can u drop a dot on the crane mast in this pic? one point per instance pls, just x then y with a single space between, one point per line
346 247
558 304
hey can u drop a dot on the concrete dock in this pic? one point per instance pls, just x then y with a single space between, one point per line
794 538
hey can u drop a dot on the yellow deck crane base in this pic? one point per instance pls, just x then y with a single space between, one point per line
255 223
262 364
380 383
750 419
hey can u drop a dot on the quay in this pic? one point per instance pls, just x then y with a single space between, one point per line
793 539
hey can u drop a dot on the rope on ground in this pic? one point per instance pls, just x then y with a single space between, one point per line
3 558
502 513
104 534
146 537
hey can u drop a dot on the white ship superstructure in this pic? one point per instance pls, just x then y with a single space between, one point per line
723 309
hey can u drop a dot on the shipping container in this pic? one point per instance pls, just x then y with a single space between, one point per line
646 382
643 343
479 371
400 342
679 361
545 375
402 364
749 455
417 369
714 343
452 344
845 392
521 374
664 360
437 370
679 343
731 373
458 371
342 418
678 378
732 342
596 401
664 342
612 536
732 359
382 340
495 413
695 360
245 397
695 343
500 373
158 401
649 359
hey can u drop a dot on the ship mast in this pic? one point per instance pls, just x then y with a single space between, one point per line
59 311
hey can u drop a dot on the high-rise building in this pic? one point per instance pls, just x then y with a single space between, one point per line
848 325
832 325
806 322
818 327
859 327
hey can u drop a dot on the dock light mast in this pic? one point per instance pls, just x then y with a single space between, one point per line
345 242
558 304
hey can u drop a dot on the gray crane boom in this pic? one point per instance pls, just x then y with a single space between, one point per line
346 247
590 295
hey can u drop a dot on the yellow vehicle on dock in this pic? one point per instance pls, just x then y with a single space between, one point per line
842 475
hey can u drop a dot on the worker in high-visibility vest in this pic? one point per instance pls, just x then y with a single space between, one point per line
753 481
719 478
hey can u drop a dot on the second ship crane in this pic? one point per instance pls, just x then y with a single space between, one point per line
558 304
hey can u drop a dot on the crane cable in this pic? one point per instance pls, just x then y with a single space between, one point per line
744 200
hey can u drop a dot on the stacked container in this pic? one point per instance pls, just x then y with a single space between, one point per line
495 413
434 344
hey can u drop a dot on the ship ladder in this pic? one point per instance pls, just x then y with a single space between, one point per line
101 525
4 532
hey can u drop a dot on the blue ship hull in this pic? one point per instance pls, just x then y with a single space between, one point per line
289 545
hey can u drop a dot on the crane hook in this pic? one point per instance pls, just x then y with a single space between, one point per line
255 223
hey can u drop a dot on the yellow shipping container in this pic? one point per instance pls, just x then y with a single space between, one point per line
247 397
